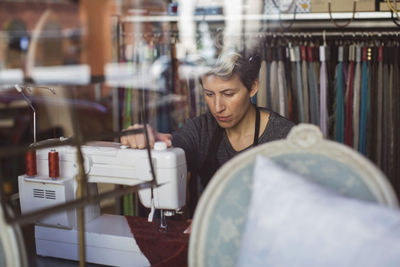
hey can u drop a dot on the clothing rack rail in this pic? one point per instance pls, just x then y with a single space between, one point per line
305 34
301 34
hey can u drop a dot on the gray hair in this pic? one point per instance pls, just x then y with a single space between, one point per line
230 63
225 64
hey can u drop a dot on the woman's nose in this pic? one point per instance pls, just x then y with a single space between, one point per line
219 104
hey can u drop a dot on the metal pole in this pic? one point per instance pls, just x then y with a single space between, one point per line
35 215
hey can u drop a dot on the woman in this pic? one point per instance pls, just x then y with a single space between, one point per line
232 125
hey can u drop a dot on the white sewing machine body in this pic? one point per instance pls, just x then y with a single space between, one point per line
108 237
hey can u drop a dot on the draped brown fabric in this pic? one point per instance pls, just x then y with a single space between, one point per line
161 249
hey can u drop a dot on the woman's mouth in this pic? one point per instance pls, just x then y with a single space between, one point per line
223 119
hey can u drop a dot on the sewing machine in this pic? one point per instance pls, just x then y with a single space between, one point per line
108 237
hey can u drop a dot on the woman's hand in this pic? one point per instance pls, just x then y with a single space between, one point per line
139 140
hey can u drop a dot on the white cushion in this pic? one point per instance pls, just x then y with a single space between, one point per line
294 222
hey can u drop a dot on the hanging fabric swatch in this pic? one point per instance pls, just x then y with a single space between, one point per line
339 123
364 104
262 90
317 66
372 110
201 107
299 79
268 56
149 86
180 90
136 92
282 89
304 74
295 97
396 120
323 82
289 82
129 200
274 88
165 90
385 150
359 108
356 99
191 87
313 89
348 139
393 103
379 107
385 108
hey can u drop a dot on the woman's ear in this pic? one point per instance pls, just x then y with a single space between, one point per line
254 88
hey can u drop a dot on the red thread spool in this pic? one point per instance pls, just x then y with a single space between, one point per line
30 161
54 166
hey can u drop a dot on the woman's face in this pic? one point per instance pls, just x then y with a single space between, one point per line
228 100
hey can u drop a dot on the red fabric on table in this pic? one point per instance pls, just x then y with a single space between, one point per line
161 249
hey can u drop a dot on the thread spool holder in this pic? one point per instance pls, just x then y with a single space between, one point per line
19 89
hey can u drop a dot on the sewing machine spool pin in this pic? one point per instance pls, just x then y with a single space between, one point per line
20 90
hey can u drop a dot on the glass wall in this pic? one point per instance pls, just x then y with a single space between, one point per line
87 69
